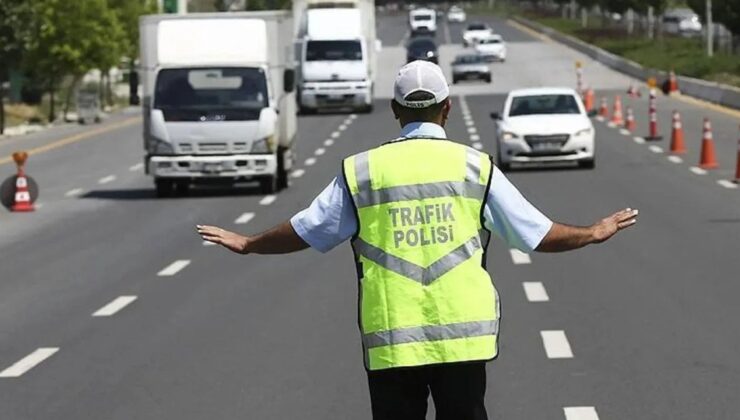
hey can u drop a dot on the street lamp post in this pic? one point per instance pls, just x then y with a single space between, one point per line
710 29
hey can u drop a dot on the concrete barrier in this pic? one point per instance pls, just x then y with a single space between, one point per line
718 93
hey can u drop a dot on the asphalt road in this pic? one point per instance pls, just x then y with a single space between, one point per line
644 326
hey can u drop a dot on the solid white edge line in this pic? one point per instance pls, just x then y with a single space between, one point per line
520 257
580 413
727 184
556 344
310 161
320 151
107 179
535 291
74 192
244 218
297 173
173 268
656 149
112 307
29 362
697 170
675 159
328 142
267 200
136 167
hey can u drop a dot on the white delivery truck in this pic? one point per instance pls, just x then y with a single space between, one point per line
337 54
218 103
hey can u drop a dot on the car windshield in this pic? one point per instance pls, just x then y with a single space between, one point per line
333 51
419 18
477 27
208 94
422 45
543 104
468 59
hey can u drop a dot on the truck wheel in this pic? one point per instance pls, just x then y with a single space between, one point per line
269 185
282 173
182 188
367 109
163 187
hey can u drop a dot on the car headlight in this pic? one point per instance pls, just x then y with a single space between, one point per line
161 147
584 132
508 135
263 145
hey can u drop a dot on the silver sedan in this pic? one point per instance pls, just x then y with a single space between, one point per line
470 66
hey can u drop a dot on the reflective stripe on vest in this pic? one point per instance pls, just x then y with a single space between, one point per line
425 297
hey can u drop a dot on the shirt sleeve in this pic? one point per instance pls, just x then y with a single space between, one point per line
329 220
510 216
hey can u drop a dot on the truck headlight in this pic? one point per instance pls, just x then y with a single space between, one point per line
161 147
584 132
263 145
508 135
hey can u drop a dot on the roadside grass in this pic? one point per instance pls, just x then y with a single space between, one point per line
17 114
686 56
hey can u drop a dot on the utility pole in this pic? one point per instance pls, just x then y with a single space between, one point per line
710 29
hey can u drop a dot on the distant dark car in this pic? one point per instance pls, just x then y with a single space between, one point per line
422 49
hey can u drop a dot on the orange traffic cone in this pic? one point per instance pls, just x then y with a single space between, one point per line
672 82
737 166
588 102
633 92
630 124
22 201
708 158
653 116
617 118
677 144
604 109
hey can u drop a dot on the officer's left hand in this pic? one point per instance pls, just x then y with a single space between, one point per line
230 240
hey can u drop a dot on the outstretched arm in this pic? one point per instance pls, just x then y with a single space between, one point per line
282 239
565 238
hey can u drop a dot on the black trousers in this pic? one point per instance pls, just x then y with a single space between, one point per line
458 391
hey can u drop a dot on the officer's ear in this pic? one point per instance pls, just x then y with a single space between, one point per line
446 108
394 108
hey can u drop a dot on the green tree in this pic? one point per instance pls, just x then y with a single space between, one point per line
15 19
128 13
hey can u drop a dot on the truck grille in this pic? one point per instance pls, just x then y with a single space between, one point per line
212 147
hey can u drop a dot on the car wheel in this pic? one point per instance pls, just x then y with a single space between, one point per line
587 163
503 166
282 173
269 185
488 79
454 80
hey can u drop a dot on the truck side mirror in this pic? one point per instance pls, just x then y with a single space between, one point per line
288 80
592 113
495 115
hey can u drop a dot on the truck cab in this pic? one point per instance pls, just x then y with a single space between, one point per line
423 22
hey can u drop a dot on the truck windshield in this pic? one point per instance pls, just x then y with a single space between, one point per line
543 104
333 51
422 18
211 94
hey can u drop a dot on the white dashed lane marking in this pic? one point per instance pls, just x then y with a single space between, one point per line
697 170
320 151
267 200
107 179
114 306
556 344
353 116
639 140
136 167
74 193
656 149
474 137
519 257
624 132
342 127
469 122
335 134
675 159
244 218
310 161
207 243
173 268
477 146
29 362
535 291
727 184
328 142
297 173
580 413
472 130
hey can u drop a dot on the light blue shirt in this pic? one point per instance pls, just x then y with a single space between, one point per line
331 220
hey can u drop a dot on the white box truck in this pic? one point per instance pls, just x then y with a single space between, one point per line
337 54
218 98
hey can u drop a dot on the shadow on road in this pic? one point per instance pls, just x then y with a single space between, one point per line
149 193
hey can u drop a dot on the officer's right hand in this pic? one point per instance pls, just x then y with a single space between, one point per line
230 240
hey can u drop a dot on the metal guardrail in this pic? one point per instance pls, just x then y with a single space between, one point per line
718 93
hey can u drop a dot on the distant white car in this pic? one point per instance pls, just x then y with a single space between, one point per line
544 125
491 48
423 21
474 32
456 14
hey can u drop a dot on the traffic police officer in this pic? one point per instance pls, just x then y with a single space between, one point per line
419 211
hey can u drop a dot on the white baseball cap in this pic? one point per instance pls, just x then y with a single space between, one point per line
420 76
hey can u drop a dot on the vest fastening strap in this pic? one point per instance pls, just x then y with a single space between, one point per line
430 333
413 271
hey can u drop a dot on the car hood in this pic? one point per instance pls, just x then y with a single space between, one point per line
545 124
326 71
476 34
490 47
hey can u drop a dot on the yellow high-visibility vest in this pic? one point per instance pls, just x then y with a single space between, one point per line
425 294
